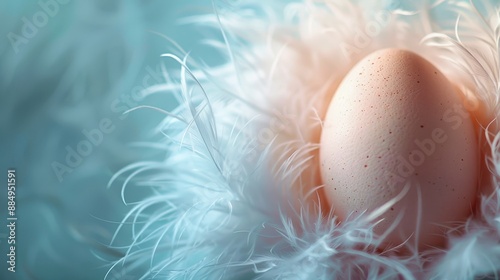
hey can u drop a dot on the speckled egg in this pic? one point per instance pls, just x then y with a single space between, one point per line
397 134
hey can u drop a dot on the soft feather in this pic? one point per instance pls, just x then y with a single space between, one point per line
234 197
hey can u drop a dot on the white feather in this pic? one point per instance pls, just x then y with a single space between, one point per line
242 147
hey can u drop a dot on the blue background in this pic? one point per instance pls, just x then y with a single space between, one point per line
80 64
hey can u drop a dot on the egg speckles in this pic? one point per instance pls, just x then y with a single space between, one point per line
396 121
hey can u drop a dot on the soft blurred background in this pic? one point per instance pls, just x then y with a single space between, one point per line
68 70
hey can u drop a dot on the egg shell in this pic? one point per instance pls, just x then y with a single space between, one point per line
395 121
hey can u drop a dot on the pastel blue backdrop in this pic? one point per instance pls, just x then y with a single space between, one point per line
67 67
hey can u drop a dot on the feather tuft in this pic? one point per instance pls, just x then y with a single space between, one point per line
236 195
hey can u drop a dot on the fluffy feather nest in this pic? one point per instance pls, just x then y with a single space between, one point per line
234 195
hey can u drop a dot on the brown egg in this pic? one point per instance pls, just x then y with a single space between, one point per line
397 135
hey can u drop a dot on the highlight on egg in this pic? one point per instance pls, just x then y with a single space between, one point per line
398 143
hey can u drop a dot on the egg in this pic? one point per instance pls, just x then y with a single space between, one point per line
398 144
